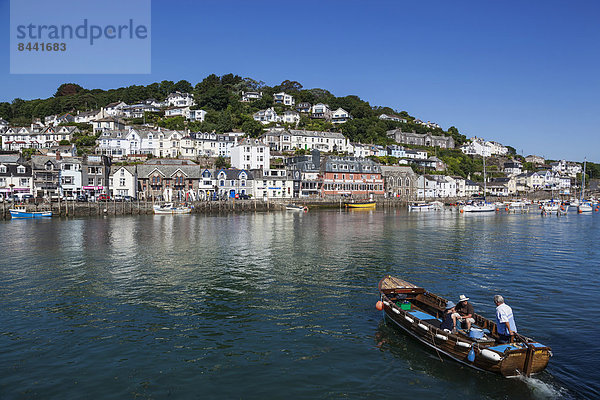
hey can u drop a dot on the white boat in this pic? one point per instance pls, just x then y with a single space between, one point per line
479 207
295 207
170 208
554 207
419 206
517 207
584 205
21 212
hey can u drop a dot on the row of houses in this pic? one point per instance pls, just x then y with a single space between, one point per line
318 111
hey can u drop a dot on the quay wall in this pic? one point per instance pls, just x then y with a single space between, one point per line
76 209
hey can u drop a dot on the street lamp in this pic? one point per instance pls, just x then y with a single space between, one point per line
11 185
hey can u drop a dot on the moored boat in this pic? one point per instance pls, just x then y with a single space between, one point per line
170 208
361 204
21 212
295 207
478 207
418 312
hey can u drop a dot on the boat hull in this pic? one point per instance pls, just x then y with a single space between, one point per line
361 205
170 211
524 357
18 214
488 208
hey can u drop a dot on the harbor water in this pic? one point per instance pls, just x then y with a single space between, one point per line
282 304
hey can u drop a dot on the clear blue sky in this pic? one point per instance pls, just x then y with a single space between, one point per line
526 74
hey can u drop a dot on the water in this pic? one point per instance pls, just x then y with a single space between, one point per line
282 304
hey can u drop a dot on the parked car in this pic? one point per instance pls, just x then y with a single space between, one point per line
82 198
118 197
70 198
104 197
129 198
27 197
244 196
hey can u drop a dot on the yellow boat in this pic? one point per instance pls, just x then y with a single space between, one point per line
361 204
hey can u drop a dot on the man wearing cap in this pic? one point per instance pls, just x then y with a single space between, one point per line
448 320
464 311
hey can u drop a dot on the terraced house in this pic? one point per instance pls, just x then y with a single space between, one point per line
351 176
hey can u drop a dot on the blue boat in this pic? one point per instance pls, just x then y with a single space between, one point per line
21 212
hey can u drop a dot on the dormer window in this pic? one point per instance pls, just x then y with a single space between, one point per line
20 169
2 169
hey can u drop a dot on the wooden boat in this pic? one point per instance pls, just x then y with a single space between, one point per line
170 208
295 207
417 312
361 204
21 212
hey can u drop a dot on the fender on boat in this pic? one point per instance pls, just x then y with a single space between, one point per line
396 310
409 319
463 344
437 335
424 327
490 355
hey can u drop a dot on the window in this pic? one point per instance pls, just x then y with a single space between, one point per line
90 181
23 182
122 172
2 182
122 182
221 183
2 169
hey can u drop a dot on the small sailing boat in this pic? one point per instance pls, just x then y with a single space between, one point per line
584 206
480 206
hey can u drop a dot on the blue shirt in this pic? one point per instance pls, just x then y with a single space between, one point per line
505 314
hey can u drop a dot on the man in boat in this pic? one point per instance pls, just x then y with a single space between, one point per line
448 320
464 311
505 321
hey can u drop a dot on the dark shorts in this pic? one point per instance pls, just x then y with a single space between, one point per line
503 338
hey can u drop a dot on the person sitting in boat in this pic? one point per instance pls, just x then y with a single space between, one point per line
448 320
505 321
464 311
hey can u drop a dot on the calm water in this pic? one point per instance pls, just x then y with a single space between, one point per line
282 304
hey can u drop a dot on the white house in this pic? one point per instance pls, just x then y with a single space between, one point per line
266 116
272 184
283 98
177 112
251 96
286 140
70 177
321 111
340 116
251 154
290 117
179 99
426 187
123 181
196 115
391 117
113 109
109 124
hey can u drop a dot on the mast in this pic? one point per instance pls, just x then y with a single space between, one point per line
484 182
582 181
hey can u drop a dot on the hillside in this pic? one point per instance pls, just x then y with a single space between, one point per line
220 97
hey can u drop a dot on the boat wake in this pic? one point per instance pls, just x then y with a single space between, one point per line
543 390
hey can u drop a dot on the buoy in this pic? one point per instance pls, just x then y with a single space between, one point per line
462 211
379 305
506 209
497 209
579 211
471 356
562 208
491 355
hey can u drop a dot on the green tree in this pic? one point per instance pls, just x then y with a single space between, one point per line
221 162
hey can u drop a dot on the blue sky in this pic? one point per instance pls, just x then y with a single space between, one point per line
525 74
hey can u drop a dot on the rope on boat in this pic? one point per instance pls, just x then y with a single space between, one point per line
435 346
